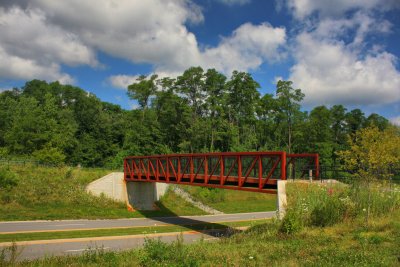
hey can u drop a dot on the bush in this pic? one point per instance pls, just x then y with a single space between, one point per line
213 195
329 213
291 223
8 179
157 253
49 155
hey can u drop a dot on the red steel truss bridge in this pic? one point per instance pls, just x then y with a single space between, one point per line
247 171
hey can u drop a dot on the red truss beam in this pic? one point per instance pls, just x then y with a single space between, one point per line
247 171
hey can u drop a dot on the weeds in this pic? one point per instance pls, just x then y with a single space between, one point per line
157 253
325 205
9 255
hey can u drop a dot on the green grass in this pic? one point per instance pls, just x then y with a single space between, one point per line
347 242
198 226
319 204
50 193
232 201
344 244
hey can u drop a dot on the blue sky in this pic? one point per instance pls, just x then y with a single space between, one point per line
338 52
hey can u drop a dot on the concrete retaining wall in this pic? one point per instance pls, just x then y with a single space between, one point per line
139 195
281 199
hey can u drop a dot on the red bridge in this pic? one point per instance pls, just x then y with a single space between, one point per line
248 171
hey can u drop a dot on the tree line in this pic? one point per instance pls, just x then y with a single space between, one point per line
198 111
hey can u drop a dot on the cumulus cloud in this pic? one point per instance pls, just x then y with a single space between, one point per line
31 48
151 31
234 2
41 35
122 81
247 48
331 71
395 120
5 89
329 8
15 67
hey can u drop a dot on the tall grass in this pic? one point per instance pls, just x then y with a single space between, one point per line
326 204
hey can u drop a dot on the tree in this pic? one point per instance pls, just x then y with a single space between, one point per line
355 120
372 154
215 89
143 90
241 102
319 133
377 120
191 84
288 102
266 112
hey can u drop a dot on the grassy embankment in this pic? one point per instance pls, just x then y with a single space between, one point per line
345 240
232 201
36 193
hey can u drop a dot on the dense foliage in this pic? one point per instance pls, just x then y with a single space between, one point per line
198 111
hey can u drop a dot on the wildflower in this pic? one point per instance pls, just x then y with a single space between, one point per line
330 191
364 209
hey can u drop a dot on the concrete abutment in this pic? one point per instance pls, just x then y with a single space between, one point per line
138 195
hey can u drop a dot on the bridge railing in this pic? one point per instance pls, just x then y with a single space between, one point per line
252 171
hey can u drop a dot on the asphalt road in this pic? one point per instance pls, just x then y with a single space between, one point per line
69 225
29 250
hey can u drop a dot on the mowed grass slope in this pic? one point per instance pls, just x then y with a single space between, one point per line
36 193
233 201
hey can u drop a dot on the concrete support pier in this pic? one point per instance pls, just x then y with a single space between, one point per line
138 195
142 195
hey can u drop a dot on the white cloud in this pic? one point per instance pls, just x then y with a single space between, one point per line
31 48
395 120
5 89
39 36
151 31
234 2
14 67
247 48
329 8
122 81
330 71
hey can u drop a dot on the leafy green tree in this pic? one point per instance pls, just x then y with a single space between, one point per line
174 117
215 89
8 102
242 99
378 121
49 155
288 101
319 133
355 120
191 84
143 90
372 155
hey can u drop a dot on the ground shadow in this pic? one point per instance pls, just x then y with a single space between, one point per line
194 223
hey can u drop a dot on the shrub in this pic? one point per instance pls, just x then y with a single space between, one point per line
8 179
328 213
205 194
49 155
158 253
291 223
